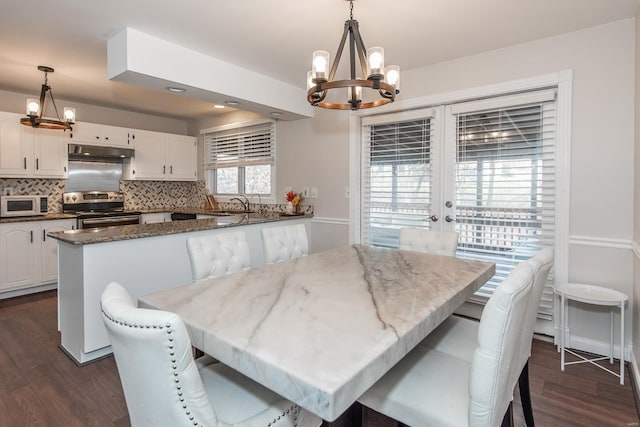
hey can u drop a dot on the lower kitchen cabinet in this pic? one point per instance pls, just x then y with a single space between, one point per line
28 258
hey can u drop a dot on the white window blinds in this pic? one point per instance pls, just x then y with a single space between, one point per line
241 146
396 175
505 187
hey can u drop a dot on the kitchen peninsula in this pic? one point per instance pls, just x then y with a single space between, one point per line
143 258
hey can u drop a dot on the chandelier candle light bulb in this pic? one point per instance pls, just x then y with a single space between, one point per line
321 78
375 58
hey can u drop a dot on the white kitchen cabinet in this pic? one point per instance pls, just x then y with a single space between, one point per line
105 135
28 258
16 147
50 153
162 157
156 217
26 152
181 157
49 247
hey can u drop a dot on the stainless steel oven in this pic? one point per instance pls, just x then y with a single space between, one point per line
105 220
99 209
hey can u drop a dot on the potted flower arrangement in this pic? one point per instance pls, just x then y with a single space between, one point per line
293 202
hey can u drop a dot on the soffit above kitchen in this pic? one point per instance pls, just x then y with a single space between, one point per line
273 39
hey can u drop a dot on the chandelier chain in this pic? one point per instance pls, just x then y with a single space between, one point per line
351 10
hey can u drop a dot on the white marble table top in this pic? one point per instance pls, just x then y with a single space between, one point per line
321 329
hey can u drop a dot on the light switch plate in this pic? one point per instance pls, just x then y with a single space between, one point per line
314 192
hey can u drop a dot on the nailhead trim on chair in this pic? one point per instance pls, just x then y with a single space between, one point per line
295 409
171 354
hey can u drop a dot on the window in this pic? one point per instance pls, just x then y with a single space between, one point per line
240 158
483 168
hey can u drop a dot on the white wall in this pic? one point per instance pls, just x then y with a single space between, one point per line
602 165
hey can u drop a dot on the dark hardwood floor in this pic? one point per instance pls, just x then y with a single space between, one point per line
41 386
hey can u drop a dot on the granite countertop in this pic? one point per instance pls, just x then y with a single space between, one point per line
47 217
127 232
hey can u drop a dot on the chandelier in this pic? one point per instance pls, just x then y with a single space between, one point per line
383 80
35 109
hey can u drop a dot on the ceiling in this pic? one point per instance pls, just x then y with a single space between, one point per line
274 38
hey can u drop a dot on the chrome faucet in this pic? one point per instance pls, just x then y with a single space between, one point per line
245 203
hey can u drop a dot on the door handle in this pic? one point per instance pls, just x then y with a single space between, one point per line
434 218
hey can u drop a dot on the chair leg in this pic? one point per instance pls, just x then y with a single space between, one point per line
525 395
507 421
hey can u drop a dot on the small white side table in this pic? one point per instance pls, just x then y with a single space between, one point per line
597 295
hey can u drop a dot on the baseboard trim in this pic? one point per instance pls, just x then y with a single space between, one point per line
597 347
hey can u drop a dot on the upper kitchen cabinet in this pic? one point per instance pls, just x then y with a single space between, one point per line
108 136
16 147
162 157
31 153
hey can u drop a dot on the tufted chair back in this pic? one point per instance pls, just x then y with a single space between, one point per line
494 372
284 243
218 254
161 383
424 240
541 264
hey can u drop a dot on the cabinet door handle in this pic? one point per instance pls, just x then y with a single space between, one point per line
106 138
31 233
37 164
44 235
171 169
97 137
25 162
164 169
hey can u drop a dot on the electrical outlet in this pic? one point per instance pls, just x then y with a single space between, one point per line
314 192
305 192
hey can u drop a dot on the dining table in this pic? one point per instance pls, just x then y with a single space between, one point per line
321 329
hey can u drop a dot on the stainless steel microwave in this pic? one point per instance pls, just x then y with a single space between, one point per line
28 205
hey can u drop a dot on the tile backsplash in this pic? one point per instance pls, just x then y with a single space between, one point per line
159 194
48 187
138 195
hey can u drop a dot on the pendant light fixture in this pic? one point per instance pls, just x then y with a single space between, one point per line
383 80
35 109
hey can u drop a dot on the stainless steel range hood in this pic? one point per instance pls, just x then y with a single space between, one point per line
90 153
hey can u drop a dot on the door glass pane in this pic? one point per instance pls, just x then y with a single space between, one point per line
397 180
504 187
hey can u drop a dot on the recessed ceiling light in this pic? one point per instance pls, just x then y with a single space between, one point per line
218 106
176 89
276 113
232 103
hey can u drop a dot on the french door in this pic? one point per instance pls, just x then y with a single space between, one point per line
485 169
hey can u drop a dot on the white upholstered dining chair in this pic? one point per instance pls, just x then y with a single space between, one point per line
432 241
432 388
164 386
284 242
458 336
218 254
